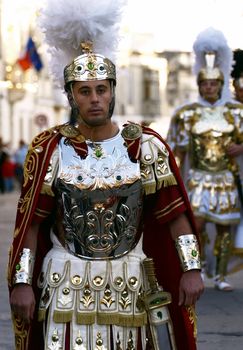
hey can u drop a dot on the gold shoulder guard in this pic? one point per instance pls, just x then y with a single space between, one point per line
189 108
51 172
234 112
234 105
155 169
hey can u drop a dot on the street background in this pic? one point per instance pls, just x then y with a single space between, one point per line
220 315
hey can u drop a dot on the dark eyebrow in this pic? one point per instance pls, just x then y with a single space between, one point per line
84 87
98 86
102 85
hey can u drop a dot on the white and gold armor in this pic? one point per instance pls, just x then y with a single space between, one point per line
93 277
101 198
205 132
83 281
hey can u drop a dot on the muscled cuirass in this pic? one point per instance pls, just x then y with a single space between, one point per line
100 198
210 135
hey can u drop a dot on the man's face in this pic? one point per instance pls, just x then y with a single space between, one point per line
238 86
210 90
93 99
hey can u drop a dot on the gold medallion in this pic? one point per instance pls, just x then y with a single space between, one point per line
69 131
132 131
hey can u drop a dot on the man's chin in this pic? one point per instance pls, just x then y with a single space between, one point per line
210 98
97 121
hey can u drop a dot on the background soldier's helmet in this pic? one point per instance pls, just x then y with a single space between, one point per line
213 58
210 71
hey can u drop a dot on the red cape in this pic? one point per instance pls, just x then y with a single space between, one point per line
157 244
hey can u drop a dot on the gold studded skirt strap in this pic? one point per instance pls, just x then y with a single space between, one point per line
91 296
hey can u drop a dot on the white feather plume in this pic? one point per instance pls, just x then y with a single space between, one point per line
214 40
67 23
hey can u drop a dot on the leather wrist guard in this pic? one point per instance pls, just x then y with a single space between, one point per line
188 251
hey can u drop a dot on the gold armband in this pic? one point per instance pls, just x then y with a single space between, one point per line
188 251
24 268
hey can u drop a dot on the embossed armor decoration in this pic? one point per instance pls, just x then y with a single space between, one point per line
101 198
101 290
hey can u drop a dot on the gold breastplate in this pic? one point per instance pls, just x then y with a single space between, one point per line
210 136
208 150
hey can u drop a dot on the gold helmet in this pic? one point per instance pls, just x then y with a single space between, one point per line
89 66
210 71
82 38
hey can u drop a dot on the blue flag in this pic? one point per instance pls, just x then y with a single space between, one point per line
33 55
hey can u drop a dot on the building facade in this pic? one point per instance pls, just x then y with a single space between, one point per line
150 84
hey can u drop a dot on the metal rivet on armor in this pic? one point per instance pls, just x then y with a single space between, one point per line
133 281
98 280
118 281
55 277
147 157
107 292
99 341
39 149
55 336
87 291
118 177
98 207
124 293
79 341
66 291
87 298
80 178
76 280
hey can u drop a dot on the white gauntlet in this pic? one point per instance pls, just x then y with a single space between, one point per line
188 251
24 268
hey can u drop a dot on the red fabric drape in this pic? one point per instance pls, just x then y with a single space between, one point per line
157 240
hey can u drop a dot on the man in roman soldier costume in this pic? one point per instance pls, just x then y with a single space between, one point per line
207 137
101 208
237 75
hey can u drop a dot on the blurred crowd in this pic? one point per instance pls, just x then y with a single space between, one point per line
11 166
